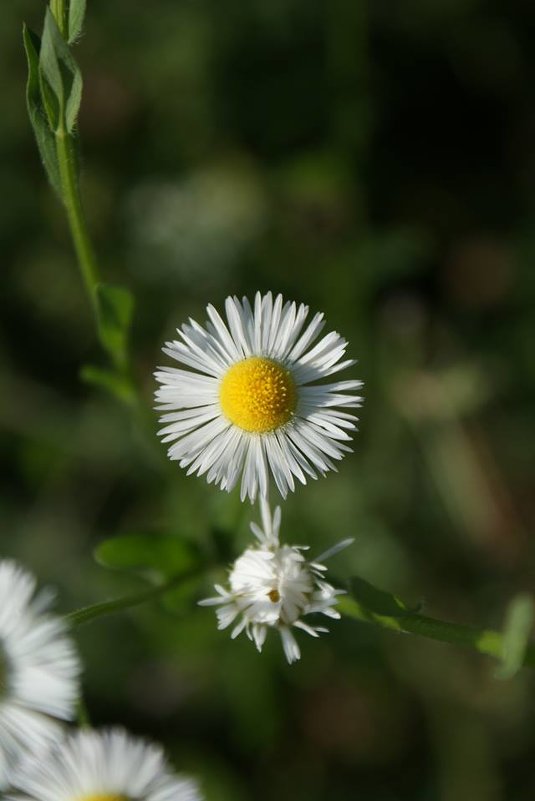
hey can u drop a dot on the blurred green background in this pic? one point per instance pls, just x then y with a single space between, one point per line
374 160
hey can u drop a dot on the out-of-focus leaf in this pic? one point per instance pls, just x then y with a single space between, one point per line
115 305
395 252
164 553
377 601
115 383
179 598
43 134
61 80
76 18
519 621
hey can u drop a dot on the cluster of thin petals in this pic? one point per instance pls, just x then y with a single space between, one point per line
206 440
39 690
273 586
39 668
111 764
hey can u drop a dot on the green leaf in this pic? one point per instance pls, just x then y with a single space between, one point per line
367 604
115 383
115 306
61 80
164 553
376 601
180 597
519 620
76 19
43 134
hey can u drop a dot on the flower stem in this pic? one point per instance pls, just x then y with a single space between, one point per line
88 613
82 714
75 214
485 641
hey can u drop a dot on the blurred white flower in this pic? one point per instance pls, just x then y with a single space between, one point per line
39 668
251 404
195 229
274 586
101 766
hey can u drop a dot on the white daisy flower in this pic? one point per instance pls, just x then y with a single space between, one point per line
39 668
274 586
101 766
251 403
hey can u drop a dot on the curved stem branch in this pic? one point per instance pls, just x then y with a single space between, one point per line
485 641
88 613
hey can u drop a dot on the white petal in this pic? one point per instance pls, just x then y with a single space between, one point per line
206 443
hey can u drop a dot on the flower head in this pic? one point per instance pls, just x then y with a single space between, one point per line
274 586
101 766
249 403
38 668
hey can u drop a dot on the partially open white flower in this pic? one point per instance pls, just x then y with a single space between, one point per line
274 586
101 766
39 668
252 402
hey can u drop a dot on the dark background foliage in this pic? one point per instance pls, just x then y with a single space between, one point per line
376 161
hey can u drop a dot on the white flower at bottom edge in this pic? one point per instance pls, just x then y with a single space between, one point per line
39 669
274 586
101 766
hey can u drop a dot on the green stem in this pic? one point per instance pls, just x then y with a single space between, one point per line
485 641
75 214
82 715
88 613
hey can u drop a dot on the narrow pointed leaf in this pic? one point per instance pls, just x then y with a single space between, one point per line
76 19
43 134
367 604
51 78
374 600
61 80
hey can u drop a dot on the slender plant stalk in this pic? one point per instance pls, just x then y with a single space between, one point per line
485 641
70 187
75 214
88 613
82 714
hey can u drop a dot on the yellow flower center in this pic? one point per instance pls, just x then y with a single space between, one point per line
104 797
258 395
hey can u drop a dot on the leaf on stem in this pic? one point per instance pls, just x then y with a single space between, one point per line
519 620
76 19
376 601
163 553
60 78
115 306
36 112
